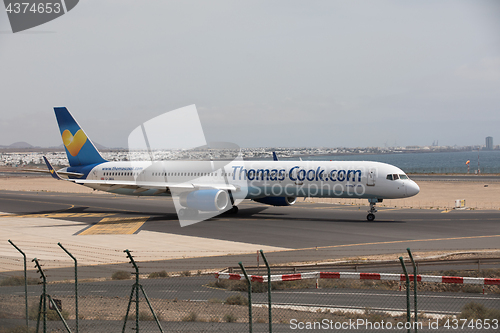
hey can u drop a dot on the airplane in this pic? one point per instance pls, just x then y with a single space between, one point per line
200 186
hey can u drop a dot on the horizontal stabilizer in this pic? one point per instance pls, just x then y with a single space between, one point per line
60 173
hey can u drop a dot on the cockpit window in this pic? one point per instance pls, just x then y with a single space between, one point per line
396 177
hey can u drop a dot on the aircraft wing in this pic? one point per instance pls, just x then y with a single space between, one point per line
140 186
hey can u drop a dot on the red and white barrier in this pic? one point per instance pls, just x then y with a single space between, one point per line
361 276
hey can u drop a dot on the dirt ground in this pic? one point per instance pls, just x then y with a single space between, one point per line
114 309
41 184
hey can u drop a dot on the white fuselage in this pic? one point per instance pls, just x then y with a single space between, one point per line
258 179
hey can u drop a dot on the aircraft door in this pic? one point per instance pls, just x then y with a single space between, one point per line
372 174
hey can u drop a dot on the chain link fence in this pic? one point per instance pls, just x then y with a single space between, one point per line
204 301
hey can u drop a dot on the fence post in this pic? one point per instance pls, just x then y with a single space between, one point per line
25 284
408 311
268 291
76 284
43 299
136 288
415 279
42 307
249 297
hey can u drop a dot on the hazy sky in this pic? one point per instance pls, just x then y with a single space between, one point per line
261 73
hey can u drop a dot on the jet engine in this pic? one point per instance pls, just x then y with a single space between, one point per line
211 200
277 201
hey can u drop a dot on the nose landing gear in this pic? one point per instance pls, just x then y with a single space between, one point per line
371 213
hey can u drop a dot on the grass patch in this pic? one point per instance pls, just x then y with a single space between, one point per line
143 316
259 287
484 273
237 300
51 314
186 273
191 317
158 275
121 275
230 318
17 281
215 301
475 310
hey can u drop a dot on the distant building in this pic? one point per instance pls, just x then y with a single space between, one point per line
489 143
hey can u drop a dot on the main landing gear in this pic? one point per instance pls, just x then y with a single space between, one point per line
371 213
233 210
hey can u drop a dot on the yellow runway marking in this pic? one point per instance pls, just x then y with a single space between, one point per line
116 226
394 242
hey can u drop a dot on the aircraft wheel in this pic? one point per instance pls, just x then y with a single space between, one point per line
370 217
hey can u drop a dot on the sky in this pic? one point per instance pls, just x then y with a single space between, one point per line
261 73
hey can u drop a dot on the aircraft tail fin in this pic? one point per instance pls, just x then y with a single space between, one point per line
79 148
275 157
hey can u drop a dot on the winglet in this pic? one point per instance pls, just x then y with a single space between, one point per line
52 171
275 157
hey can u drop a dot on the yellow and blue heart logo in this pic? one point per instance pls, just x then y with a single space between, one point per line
74 142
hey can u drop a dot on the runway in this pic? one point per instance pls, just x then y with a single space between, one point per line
303 232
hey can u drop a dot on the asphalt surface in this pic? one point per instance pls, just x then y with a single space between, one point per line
310 231
303 225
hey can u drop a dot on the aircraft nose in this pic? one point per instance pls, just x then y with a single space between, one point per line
412 189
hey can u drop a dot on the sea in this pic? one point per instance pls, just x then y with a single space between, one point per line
488 162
